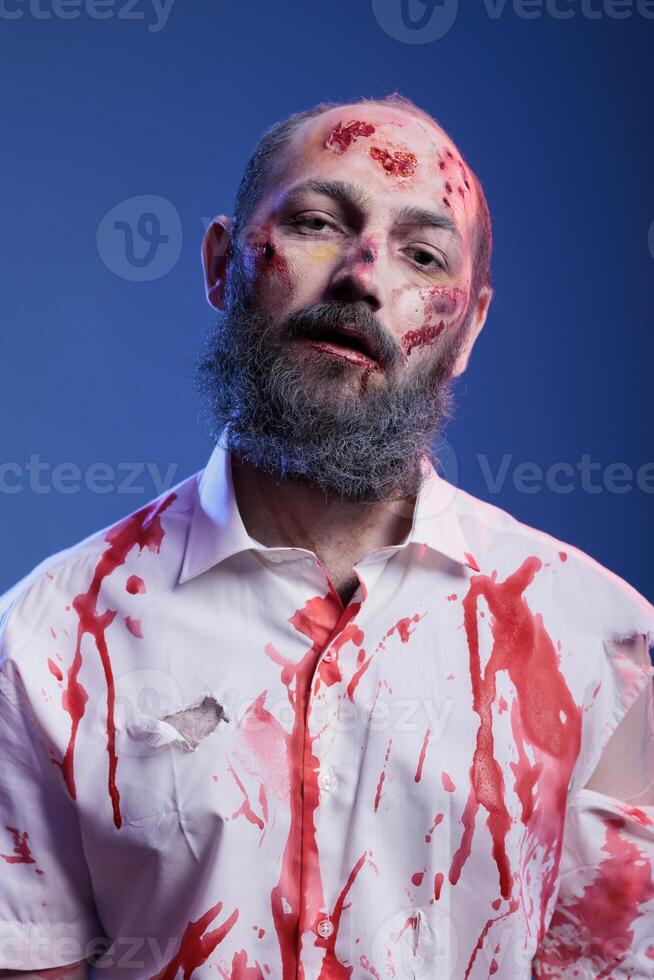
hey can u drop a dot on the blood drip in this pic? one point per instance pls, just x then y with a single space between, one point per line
143 530
197 945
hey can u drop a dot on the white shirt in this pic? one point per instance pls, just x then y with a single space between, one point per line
408 823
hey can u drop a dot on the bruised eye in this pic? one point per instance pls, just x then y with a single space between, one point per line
311 222
425 259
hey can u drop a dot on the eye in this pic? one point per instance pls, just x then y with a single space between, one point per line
307 223
425 259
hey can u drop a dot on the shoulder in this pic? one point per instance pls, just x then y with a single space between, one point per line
31 607
577 589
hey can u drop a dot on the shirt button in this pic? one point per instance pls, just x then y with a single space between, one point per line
327 780
329 655
325 928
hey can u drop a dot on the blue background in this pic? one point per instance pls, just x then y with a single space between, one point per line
553 114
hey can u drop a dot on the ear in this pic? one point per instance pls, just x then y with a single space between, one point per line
474 329
216 252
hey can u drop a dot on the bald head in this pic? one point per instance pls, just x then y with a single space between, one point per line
283 145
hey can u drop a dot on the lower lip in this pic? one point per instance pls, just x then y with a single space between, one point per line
353 356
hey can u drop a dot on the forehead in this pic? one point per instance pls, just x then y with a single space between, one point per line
356 127
393 155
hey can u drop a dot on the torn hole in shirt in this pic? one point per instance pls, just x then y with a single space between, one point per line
184 728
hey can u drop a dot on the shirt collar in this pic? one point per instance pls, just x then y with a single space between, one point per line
217 530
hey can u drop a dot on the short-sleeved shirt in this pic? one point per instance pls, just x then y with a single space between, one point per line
211 767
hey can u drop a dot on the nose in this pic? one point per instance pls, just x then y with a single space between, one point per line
357 278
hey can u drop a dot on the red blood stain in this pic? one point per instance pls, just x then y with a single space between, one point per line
266 737
448 187
437 819
496 903
544 715
268 261
428 334
356 677
382 776
421 757
367 965
513 905
448 784
134 626
471 561
331 968
638 815
452 598
439 878
143 530
604 915
402 626
245 807
563 556
400 163
367 371
411 923
52 633
417 878
446 202
298 896
450 677
197 945
22 853
241 970
135 585
502 706
343 135
329 670
441 164
493 967
54 669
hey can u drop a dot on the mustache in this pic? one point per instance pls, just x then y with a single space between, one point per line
314 320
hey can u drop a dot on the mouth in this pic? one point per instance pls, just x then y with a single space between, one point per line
346 343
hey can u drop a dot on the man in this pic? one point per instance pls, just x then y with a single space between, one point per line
316 713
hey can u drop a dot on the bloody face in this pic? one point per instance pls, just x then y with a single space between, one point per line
347 304
375 209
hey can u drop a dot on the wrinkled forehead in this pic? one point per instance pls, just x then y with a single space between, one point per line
391 153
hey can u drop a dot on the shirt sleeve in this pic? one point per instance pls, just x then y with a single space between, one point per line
602 925
47 911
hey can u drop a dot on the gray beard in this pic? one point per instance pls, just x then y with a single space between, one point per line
304 417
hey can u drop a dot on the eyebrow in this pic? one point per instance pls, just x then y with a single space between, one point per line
422 218
339 190
353 196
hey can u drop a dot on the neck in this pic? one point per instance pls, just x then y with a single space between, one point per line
292 514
